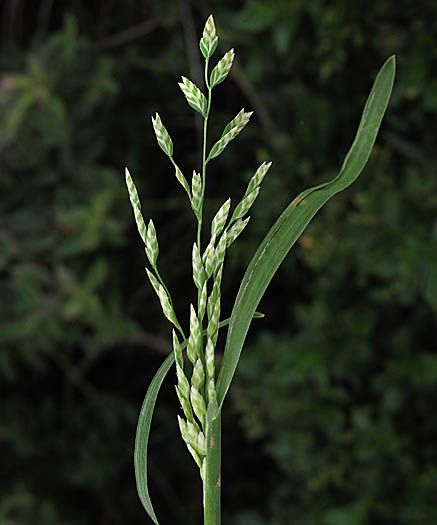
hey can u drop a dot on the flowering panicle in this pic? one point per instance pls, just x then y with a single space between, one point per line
196 380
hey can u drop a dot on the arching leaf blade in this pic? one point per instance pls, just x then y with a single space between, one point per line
142 436
294 220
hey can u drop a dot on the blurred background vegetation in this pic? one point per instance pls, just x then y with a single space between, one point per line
331 418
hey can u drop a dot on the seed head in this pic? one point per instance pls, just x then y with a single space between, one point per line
195 98
208 42
235 230
233 128
256 180
220 251
195 338
221 144
239 122
195 438
202 302
192 431
198 377
221 70
185 404
177 350
136 205
196 192
201 443
152 248
210 262
198 404
212 394
244 205
183 428
162 136
195 455
184 387
209 359
198 271
212 330
163 298
215 294
208 258
219 220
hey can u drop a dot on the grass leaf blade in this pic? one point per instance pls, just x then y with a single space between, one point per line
142 436
294 220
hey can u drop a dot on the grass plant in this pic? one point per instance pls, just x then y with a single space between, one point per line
200 389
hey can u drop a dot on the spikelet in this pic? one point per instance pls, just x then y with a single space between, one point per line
220 251
209 359
198 404
196 439
184 386
195 98
196 192
244 205
201 443
229 134
212 394
163 298
185 405
235 231
162 136
198 377
183 428
208 258
177 350
213 322
202 302
196 456
136 205
208 42
195 338
219 220
255 181
198 271
152 248
221 70
215 294
238 122
213 407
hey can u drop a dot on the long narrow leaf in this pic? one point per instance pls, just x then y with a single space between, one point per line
142 436
294 220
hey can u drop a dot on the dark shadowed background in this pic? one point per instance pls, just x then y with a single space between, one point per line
331 417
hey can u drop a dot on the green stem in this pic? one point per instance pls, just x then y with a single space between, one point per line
212 473
205 128
200 216
212 480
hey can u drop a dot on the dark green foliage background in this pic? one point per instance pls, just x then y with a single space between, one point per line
331 418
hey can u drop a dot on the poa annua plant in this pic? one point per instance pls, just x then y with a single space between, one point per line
200 390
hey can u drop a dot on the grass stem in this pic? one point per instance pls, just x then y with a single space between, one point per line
212 473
